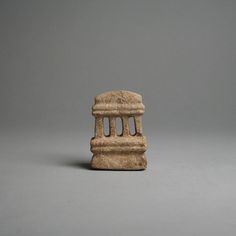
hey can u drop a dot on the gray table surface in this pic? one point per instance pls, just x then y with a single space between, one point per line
47 188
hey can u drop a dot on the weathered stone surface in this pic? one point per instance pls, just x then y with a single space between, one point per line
118 152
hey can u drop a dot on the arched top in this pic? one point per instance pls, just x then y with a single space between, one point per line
118 102
118 97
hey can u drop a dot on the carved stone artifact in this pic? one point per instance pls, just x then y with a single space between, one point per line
115 151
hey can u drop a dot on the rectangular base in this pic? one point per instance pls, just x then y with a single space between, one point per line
119 161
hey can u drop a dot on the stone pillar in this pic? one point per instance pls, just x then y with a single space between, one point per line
112 126
138 125
125 124
99 127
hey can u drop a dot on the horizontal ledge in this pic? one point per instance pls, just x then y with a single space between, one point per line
117 112
118 149
119 141
115 106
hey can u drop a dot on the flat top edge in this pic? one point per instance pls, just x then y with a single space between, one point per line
118 96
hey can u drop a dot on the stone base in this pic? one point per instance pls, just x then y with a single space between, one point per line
118 161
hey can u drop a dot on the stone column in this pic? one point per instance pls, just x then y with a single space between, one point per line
98 126
112 125
138 125
125 124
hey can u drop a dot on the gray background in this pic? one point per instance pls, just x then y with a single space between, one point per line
55 56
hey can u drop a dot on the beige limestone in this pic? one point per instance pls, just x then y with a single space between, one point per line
113 151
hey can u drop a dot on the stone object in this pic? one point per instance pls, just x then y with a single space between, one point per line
115 151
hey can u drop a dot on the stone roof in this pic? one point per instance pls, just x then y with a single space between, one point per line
118 102
118 96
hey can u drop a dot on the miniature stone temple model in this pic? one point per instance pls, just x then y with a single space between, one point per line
115 151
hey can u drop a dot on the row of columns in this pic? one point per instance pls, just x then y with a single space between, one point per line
112 126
